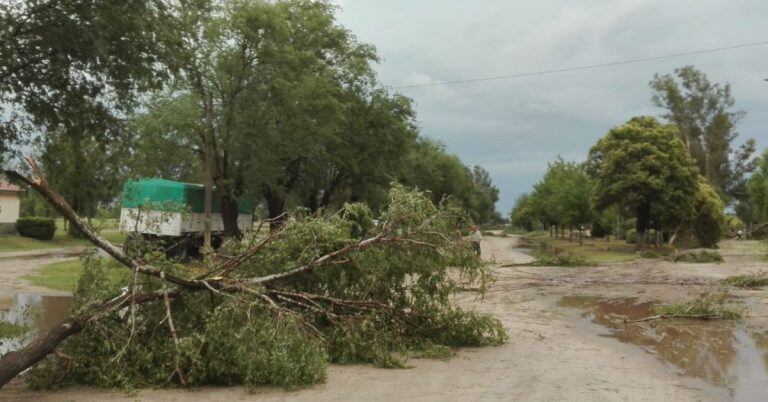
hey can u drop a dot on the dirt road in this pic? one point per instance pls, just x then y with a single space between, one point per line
554 353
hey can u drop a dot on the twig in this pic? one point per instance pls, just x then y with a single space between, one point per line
669 317
172 328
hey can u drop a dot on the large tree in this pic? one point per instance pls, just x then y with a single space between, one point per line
704 114
270 81
65 62
644 167
562 197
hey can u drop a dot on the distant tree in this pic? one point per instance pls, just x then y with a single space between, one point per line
429 167
706 121
524 214
643 166
755 209
88 166
563 196
487 194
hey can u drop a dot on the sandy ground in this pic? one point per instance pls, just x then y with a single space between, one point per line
553 353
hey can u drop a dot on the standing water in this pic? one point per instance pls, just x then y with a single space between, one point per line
33 311
720 352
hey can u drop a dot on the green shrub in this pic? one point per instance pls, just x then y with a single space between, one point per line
631 236
706 306
703 256
36 227
561 260
748 281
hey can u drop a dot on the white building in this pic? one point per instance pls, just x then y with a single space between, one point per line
10 203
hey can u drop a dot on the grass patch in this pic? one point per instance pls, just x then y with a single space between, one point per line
432 351
10 330
561 260
700 257
10 243
64 275
747 281
707 306
595 250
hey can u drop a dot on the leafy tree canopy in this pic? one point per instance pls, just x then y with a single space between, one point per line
643 166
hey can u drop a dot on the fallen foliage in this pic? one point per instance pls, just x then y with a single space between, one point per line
747 281
278 308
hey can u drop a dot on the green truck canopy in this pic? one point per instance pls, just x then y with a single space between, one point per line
169 195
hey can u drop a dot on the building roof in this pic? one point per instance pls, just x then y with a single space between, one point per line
9 187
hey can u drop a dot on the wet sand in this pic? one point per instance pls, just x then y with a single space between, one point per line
557 351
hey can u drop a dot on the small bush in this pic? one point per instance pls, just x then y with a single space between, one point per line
599 231
561 260
651 254
700 257
36 228
631 236
748 281
707 306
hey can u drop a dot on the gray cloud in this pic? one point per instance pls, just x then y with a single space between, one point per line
514 127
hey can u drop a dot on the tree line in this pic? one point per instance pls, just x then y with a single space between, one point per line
271 99
664 178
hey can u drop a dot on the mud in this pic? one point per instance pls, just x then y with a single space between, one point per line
725 353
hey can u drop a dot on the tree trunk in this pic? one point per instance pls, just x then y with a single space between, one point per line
13 363
312 201
551 230
643 221
276 207
207 189
673 237
230 211
581 240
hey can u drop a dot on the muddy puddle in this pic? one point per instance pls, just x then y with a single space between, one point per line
33 311
723 353
523 250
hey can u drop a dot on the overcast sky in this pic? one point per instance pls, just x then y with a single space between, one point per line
514 127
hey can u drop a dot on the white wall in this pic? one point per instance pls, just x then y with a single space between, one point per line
9 207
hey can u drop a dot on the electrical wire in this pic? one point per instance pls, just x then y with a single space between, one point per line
584 67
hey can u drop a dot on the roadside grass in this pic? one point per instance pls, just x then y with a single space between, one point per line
64 275
593 250
707 306
701 257
747 281
10 243
562 259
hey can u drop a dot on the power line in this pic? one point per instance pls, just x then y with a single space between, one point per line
585 67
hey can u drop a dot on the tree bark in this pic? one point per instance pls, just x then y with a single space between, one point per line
230 211
13 363
643 221
275 207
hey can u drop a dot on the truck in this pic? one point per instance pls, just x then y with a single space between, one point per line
171 213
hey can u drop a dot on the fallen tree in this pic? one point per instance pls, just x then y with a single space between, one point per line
274 309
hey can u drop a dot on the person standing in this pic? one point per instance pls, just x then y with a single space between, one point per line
475 237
